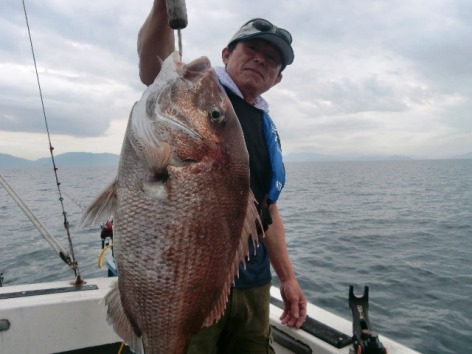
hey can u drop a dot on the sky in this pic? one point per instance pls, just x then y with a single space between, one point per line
369 77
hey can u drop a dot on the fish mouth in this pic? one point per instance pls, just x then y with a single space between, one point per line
197 69
174 118
182 108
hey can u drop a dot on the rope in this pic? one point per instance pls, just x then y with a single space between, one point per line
102 255
122 346
73 262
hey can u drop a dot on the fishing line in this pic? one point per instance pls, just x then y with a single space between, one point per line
73 264
75 201
179 36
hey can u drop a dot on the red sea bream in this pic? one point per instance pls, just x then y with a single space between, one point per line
182 209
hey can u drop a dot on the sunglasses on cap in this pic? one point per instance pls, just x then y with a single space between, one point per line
265 26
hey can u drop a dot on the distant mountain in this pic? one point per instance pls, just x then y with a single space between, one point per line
463 156
70 159
106 159
383 158
80 159
306 156
312 156
12 161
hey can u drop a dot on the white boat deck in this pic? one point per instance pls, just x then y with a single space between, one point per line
42 323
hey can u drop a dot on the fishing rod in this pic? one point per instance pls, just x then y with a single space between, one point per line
69 259
41 228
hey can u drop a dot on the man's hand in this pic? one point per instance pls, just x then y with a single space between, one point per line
294 304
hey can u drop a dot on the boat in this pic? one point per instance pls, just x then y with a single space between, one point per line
60 317
70 317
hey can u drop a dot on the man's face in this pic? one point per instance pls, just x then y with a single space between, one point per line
254 65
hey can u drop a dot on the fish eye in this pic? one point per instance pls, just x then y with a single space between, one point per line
216 115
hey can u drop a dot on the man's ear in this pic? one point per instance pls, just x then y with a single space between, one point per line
225 53
278 79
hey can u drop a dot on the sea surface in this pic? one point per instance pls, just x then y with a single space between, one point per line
404 228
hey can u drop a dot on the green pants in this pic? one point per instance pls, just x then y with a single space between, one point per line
243 329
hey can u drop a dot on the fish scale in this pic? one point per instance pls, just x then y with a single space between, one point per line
182 207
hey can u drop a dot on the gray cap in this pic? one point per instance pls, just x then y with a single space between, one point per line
263 29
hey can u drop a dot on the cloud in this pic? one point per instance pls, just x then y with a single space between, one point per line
368 77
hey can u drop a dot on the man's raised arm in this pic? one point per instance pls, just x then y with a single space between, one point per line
155 42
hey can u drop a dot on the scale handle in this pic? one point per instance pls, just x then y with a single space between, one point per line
177 14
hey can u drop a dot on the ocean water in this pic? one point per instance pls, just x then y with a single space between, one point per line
404 228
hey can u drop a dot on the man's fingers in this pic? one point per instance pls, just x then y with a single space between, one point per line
294 313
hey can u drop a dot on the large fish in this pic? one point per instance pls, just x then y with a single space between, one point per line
182 208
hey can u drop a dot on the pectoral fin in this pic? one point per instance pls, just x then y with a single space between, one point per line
154 154
102 208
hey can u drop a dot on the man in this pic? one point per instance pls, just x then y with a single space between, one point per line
254 60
